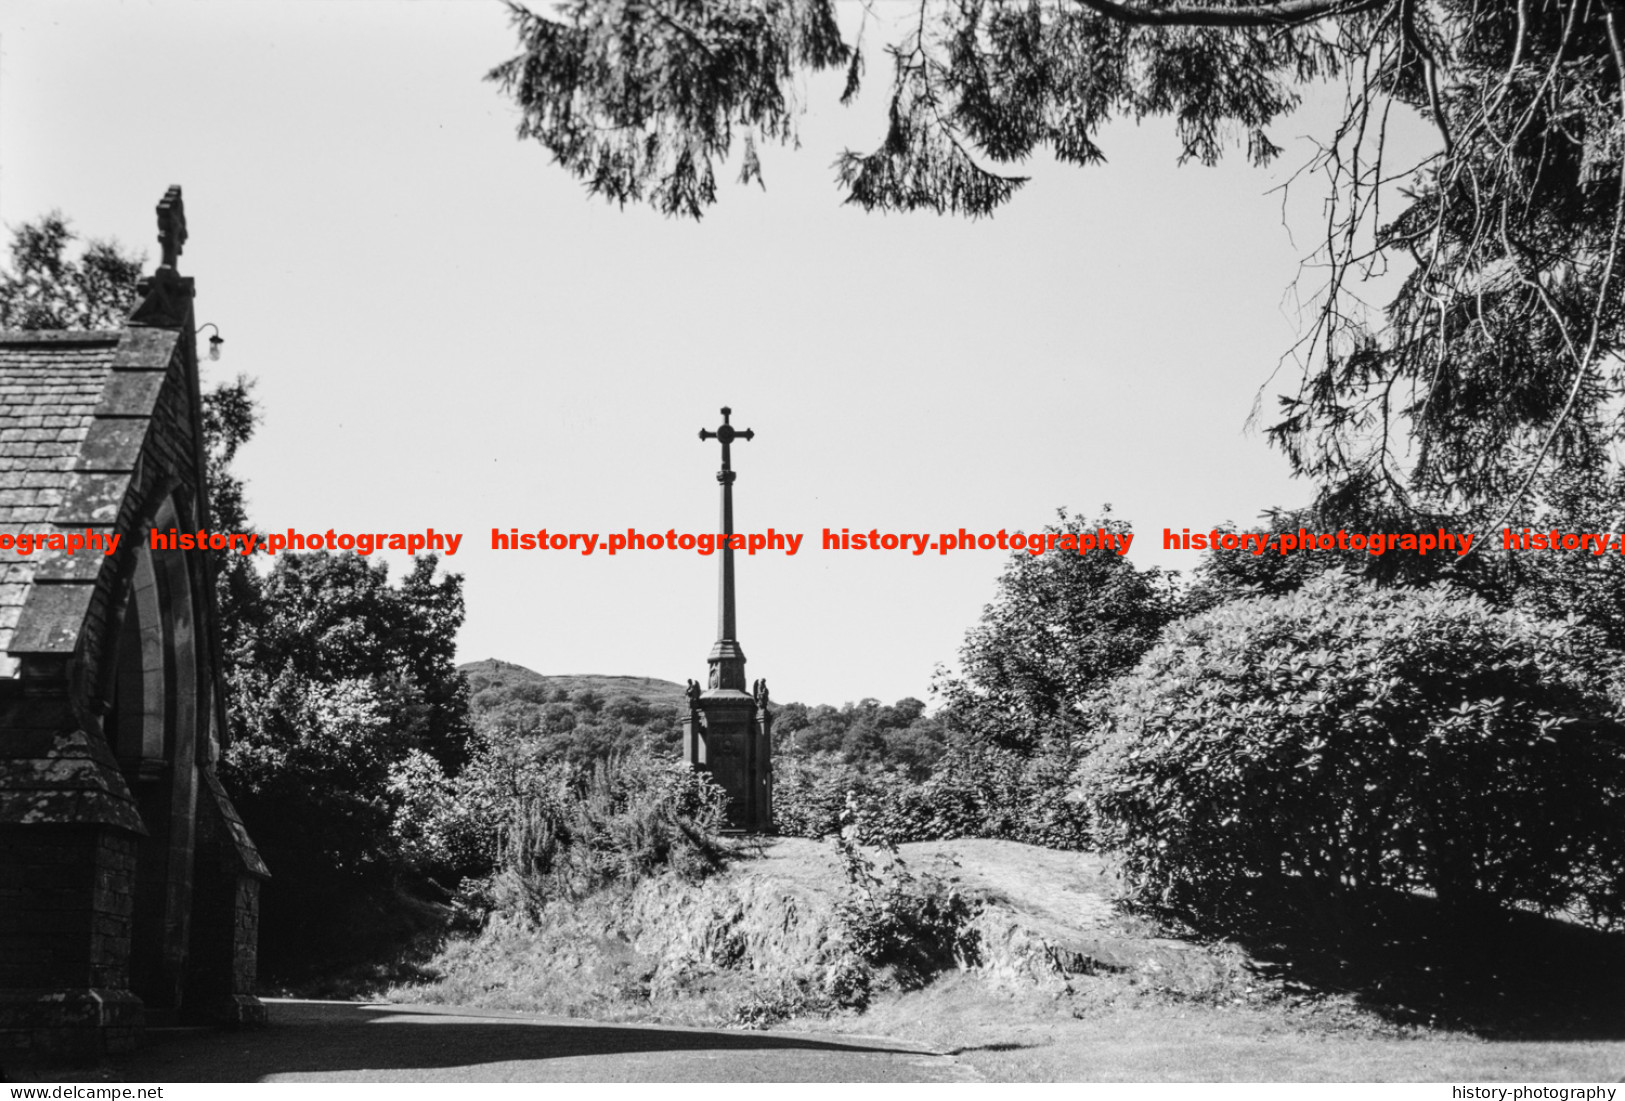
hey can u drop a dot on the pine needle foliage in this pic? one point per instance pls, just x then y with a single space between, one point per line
640 101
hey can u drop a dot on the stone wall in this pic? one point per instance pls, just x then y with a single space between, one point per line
225 915
64 956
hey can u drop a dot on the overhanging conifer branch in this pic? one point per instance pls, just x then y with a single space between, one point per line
1284 14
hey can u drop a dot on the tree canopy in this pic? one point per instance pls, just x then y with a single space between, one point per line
1500 351
1059 627
47 289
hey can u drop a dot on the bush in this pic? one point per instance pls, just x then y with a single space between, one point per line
975 790
914 926
531 828
809 792
1345 739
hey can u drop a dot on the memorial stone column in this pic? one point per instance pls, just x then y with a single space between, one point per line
728 730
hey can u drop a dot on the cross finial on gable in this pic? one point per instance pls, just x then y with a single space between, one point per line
166 294
171 226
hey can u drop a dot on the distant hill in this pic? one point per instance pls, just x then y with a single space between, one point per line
495 673
580 717
584 717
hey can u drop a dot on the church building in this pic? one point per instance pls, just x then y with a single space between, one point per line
129 889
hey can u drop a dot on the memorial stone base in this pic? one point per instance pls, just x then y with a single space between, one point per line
728 736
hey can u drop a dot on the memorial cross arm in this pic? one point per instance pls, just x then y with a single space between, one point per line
727 434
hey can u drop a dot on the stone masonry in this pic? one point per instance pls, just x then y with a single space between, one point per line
128 886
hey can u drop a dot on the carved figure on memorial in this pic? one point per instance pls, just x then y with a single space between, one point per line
758 689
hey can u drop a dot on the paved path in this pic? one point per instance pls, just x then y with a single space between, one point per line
309 1041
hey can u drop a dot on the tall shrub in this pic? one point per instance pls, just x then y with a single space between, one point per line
1345 738
526 827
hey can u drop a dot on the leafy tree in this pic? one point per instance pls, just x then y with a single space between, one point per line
866 734
229 419
1060 625
579 727
332 619
1223 575
1500 351
1560 584
45 289
1552 584
343 681
803 729
587 700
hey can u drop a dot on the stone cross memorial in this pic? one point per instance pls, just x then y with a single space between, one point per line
728 730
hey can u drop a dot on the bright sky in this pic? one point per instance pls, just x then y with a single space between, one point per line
447 332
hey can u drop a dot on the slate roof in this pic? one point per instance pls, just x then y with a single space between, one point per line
51 384
75 410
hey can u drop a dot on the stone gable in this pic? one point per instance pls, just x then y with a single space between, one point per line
128 883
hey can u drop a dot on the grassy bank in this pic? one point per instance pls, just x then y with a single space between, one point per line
1060 985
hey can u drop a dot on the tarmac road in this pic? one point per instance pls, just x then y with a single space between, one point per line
311 1041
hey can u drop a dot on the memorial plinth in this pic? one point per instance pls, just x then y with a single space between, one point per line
728 732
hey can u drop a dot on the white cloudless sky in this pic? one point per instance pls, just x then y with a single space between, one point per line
446 331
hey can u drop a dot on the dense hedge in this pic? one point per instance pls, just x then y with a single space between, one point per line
1345 738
